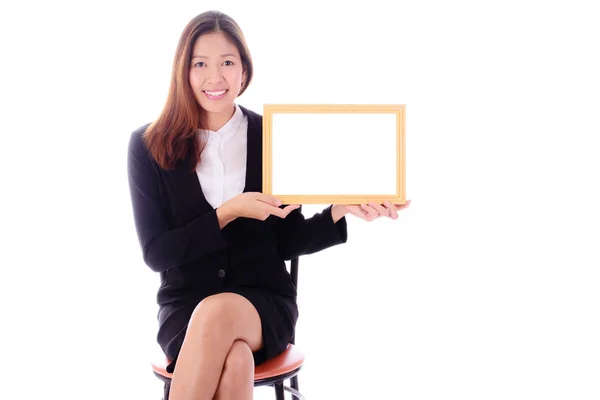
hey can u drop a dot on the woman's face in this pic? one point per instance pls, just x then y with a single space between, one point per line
216 73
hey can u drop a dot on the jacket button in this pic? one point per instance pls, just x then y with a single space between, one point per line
221 273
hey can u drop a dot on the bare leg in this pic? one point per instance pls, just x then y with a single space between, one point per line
216 323
237 379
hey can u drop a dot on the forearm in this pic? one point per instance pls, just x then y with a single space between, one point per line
299 236
182 245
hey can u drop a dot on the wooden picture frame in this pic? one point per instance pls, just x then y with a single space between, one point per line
334 153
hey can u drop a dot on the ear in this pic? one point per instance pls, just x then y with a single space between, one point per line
244 77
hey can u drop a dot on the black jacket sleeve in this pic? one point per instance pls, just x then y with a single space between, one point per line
162 247
299 236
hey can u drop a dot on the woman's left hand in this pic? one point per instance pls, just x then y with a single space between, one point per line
370 212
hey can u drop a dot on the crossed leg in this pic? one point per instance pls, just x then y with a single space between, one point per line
216 356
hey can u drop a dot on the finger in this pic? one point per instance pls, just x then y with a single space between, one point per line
279 212
383 212
272 200
284 212
392 209
370 209
372 213
354 210
357 211
402 206
287 210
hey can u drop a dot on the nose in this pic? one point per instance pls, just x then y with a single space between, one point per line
214 79
214 75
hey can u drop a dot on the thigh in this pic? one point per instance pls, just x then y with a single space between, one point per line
173 320
230 316
228 312
278 316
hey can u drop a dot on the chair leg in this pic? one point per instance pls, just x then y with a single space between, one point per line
167 390
279 393
294 385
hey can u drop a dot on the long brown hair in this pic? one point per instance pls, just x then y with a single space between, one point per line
173 137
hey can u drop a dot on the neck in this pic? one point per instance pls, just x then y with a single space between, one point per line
215 121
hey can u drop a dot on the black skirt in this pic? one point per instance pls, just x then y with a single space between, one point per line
278 316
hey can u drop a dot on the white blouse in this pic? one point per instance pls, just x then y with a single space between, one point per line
222 167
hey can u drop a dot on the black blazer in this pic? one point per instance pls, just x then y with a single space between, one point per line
180 237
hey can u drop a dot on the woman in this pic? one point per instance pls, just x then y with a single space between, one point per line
226 302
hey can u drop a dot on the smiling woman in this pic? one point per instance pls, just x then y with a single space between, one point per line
226 300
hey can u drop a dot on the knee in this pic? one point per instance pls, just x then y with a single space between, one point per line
213 316
239 364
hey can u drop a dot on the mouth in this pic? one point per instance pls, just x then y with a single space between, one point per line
215 94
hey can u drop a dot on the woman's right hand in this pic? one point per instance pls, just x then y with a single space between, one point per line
252 205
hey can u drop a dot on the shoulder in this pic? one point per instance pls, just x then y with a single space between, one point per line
137 149
251 115
137 145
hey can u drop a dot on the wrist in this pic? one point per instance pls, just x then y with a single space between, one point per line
338 211
225 214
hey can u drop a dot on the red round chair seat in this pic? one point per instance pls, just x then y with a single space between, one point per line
291 359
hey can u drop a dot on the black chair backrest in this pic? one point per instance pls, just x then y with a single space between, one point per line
294 275
294 271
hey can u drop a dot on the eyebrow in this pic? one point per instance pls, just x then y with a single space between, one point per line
222 55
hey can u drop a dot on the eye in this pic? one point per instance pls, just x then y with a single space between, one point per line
228 62
199 64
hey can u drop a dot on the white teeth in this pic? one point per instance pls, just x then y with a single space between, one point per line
215 93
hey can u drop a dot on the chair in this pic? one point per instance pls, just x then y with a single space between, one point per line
273 372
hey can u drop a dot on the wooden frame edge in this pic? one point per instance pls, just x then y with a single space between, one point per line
398 109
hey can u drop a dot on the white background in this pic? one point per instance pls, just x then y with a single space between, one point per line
331 157
485 288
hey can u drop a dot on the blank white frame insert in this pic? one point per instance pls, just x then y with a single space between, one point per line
334 154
